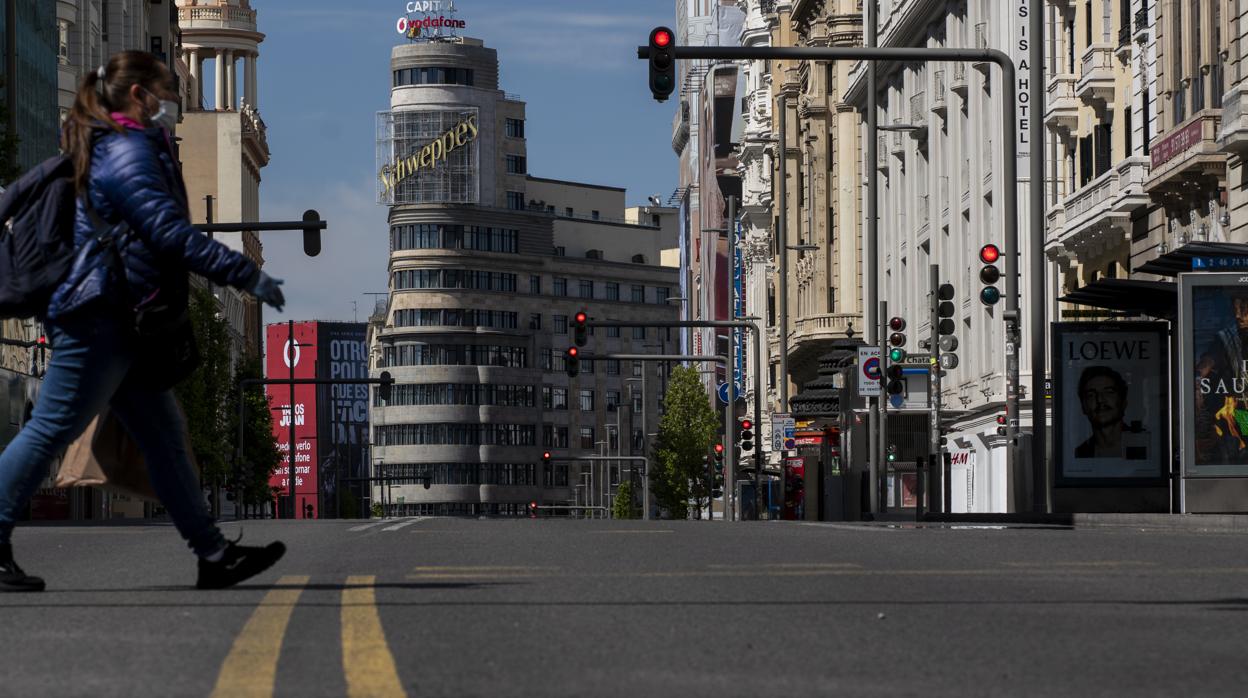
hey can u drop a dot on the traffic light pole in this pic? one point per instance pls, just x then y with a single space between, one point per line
934 458
758 379
879 485
667 358
1009 206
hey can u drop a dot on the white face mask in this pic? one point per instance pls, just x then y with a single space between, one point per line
166 115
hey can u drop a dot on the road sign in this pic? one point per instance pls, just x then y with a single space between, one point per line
790 433
778 422
869 373
723 393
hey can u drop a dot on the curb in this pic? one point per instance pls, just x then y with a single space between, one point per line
1214 523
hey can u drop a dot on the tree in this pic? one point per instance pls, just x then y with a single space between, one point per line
686 432
249 475
206 394
623 507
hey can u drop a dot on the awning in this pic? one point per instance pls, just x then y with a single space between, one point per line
1179 261
1154 298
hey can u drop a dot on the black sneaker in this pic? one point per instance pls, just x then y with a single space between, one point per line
12 578
239 562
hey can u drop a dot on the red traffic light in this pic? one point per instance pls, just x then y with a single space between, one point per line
662 38
989 254
719 448
573 351
546 455
746 424
1000 419
897 324
580 318
42 340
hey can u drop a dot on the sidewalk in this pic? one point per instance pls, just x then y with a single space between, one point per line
1213 523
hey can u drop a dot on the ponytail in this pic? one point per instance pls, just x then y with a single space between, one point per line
100 93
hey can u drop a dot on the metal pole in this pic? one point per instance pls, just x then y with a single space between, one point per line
1039 412
879 478
870 254
782 245
758 423
731 373
645 429
933 392
290 435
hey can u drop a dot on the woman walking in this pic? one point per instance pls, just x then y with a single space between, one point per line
136 248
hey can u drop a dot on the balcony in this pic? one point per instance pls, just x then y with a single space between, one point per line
815 335
1062 116
899 141
959 83
217 17
939 104
1233 136
1096 84
1098 215
1141 24
1188 157
981 42
881 154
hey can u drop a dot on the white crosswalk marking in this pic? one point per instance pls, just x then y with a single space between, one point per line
367 526
401 524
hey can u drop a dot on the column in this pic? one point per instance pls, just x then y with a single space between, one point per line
218 99
192 58
231 80
252 92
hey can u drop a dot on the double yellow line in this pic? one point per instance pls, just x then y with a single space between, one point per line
250 669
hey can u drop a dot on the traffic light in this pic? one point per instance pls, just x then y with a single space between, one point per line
572 361
897 340
896 383
892 453
580 330
719 458
383 388
662 63
989 274
546 458
1001 425
747 435
532 510
945 326
312 233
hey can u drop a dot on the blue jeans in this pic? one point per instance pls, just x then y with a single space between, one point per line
91 357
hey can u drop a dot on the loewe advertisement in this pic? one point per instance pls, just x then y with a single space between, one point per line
1213 334
1110 404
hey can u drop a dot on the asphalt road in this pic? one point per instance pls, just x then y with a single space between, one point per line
443 607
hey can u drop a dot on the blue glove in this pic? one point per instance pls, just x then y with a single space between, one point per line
266 290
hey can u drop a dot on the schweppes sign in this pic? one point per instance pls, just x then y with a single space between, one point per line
428 157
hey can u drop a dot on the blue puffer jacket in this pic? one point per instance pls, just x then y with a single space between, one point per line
135 180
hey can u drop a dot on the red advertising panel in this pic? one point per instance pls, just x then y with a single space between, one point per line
794 489
281 356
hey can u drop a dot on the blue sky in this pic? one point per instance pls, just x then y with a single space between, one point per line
324 73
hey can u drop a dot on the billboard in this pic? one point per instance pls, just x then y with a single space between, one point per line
428 156
1213 374
342 416
1111 407
282 358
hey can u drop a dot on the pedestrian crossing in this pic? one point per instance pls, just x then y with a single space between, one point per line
395 524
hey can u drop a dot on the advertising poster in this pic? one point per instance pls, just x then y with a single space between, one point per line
280 356
342 416
794 489
1111 404
1213 336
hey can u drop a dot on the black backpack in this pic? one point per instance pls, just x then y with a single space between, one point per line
36 237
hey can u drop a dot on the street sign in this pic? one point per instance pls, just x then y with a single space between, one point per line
779 421
723 393
869 373
790 433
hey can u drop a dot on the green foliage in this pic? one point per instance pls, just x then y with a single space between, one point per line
624 507
205 395
686 434
378 512
250 474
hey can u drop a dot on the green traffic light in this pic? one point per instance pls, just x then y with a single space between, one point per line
989 295
897 355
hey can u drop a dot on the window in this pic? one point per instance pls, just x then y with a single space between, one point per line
613 332
455 434
419 354
639 440
636 369
559 399
587 438
587 288
613 443
639 293
514 128
613 400
561 471
535 285
587 400
548 441
454 237
639 333
561 438
438 317
567 212
587 366
661 294
433 75
561 251
62 50
418 394
516 164
657 222
1104 144
613 367
613 291
515 200
535 321
547 399
637 402
561 287
561 323
594 215
454 279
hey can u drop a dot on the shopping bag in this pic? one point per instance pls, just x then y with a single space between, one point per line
106 456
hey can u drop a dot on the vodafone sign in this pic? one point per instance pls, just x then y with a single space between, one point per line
433 23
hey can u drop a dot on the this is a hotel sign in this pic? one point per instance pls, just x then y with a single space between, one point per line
428 157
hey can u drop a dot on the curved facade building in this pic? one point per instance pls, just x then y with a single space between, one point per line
486 266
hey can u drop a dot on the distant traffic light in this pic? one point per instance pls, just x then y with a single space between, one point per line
897 340
892 453
662 63
580 330
896 383
747 435
383 388
545 457
1001 425
532 510
989 274
719 458
572 361
945 326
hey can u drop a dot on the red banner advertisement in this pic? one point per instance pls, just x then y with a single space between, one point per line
281 356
